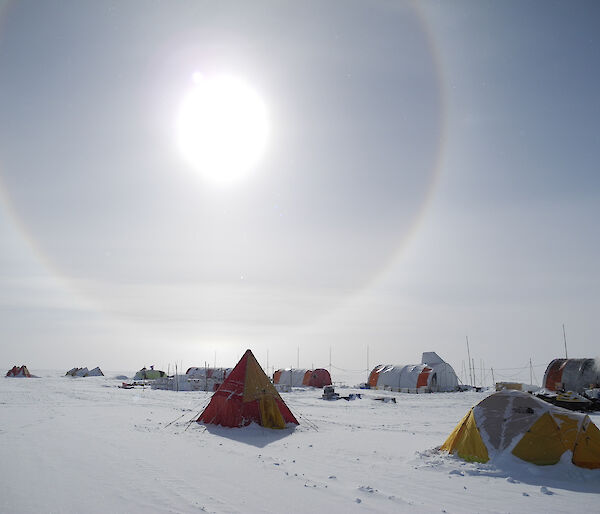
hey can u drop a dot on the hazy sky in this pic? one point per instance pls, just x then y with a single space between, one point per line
431 172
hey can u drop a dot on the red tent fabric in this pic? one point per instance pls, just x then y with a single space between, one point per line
317 378
18 372
247 396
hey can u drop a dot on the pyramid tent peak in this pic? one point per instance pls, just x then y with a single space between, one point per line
247 396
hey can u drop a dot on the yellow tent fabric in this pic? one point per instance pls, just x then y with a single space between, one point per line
258 387
257 384
569 427
587 448
466 441
542 444
536 431
269 413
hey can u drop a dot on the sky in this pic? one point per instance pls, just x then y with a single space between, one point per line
430 174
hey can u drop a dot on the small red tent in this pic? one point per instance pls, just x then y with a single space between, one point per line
18 372
317 378
247 396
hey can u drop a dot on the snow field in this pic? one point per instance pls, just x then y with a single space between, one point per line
73 445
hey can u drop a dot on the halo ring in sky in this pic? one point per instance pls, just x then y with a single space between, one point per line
328 211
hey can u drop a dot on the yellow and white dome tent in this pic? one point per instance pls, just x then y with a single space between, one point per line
529 428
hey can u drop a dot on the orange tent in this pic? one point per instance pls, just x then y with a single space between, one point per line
247 396
317 378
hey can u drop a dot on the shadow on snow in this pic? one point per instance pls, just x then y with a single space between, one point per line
253 434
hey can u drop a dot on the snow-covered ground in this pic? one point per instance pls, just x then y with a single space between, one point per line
83 445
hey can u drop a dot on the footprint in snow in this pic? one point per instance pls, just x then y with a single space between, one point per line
367 489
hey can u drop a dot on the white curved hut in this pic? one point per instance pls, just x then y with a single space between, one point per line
290 377
433 374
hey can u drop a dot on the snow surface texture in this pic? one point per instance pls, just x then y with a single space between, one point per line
67 443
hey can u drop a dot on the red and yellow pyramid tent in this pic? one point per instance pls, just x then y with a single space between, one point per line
247 396
18 372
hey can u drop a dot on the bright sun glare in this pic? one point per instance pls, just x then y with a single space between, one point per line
222 127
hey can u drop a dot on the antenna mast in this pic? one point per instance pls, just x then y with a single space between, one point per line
530 372
469 356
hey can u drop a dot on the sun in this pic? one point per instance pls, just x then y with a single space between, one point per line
222 127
